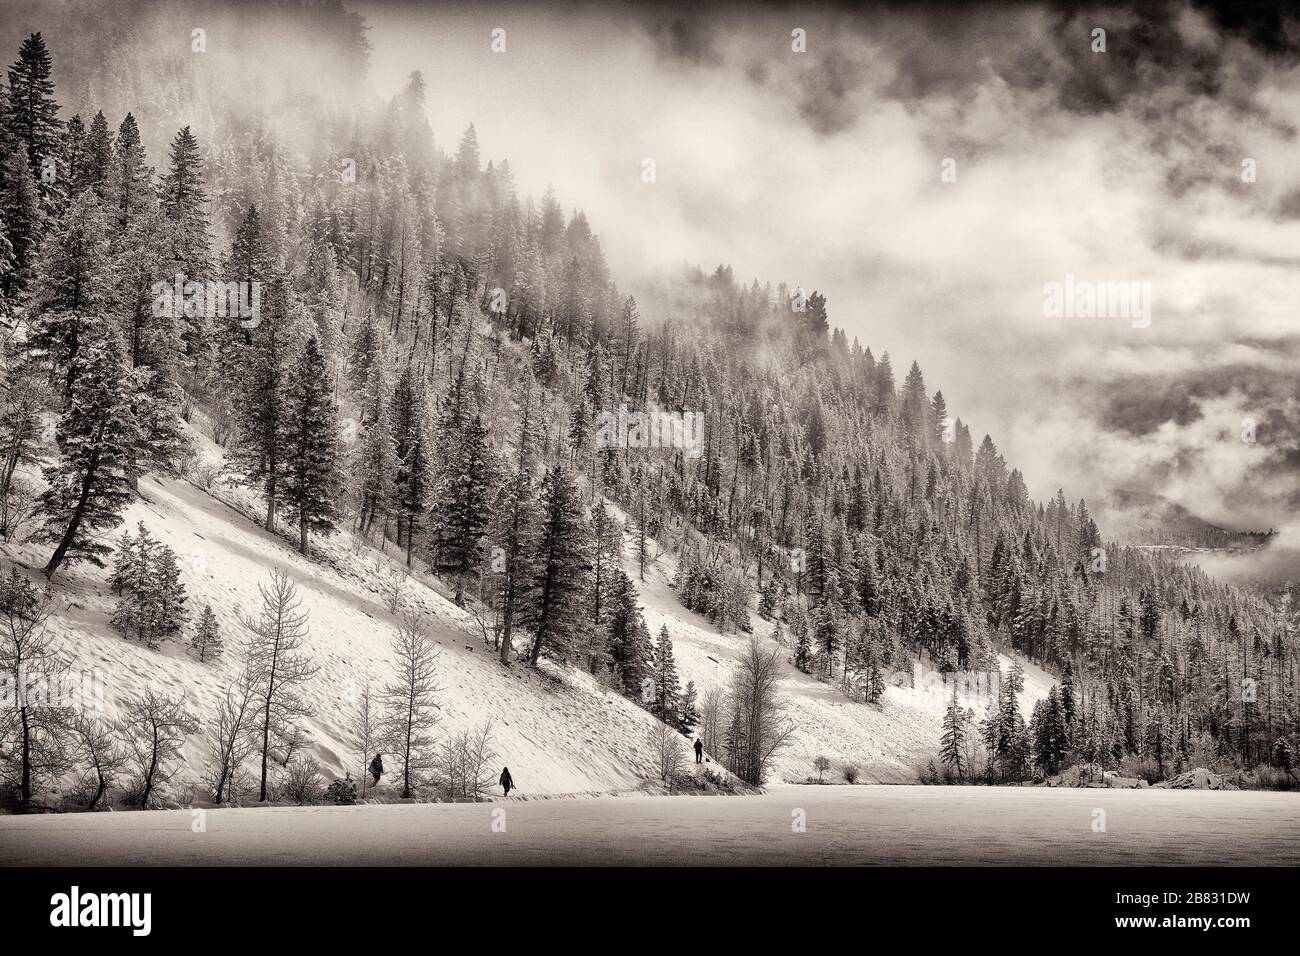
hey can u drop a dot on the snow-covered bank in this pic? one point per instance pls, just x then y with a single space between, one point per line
842 826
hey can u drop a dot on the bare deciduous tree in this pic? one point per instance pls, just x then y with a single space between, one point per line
463 764
756 724
155 727
409 701
365 731
277 664
33 720
95 743
669 752
713 717
231 739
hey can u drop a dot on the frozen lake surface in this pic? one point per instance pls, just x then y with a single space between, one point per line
844 826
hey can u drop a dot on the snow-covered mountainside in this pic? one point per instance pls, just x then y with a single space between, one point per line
559 730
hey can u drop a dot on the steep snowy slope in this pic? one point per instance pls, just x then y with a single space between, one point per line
560 732
565 735
884 741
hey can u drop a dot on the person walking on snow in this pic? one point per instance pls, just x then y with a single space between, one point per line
506 780
699 751
376 768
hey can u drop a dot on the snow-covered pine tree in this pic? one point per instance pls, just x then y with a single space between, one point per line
667 702
413 486
627 646
97 437
462 504
262 413
31 125
152 337
688 714
72 286
207 640
312 479
169 614
184 198
130 180
375 457
952 749
513 519
94 170
24 222
558 564
606 547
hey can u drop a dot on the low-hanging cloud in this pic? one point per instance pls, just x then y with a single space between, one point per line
823 169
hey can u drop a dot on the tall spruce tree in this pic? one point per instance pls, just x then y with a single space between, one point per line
311 481
98 436
31 114
462 505
667 705
183 197
72 288
559 565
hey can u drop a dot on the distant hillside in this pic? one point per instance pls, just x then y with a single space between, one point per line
1143 518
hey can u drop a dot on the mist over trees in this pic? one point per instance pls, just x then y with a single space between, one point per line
430 364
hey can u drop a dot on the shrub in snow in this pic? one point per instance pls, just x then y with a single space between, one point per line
303 783
342 791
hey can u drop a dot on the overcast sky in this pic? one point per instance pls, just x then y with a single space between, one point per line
823 169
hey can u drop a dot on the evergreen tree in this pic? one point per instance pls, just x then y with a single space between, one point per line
31 114
183 197
130 179
72 286
93 172
462 503
151 597
263 415
952 750
311 483
688 714
667 687
413 485
207 638
97 437
559 564
24 223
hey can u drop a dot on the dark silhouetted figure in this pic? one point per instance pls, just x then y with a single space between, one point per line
699 751
506 780
376 768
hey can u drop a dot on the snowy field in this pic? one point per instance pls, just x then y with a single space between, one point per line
844 826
